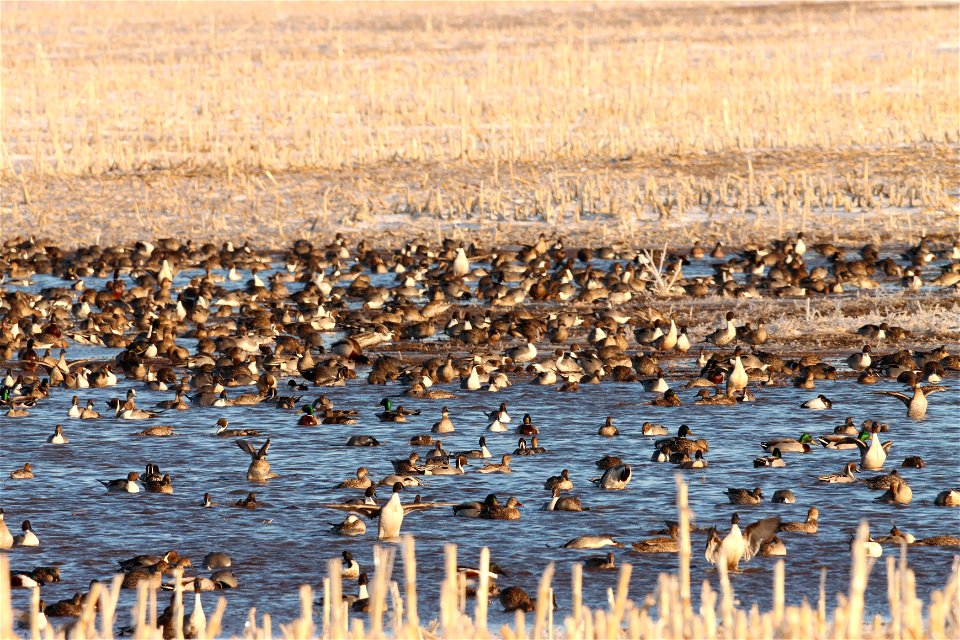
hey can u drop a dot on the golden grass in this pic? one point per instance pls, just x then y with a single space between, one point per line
666 613
278 119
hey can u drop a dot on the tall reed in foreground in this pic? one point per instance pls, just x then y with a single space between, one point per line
666 613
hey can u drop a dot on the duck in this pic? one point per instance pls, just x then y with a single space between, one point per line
259 469
939 541
600 563
789 445
67 608
883 481
697 463
861 360
503 467
526 426
349 568
495 511
591 542
775 460
6 538
897 537
845 477
351 526
809 525
783 496
773 547
473 509
362 440
129 411
667 544
408 465
917 403
23 473
362 481
74 410
870 547
563 503
516 599
389 414
739 545
820 402
390 518
608 430
309 418
652 429
89 413
445 425
913 462
123 485
744 496
948 498
668 399
615 478
898 493
224 432
499 414
874 454
446 470
28 538
682 444
163 485
482 453
248 502
561 482
717 398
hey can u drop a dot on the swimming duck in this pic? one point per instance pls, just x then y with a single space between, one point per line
669 544
561 482
89 413
820 402
495 511
744 496
391 516
614 478
882 481
248 502
600 563
526 427
408 465
608 430
591 542
845 477
351 526
810 525
789 445
652 429
362 440
737 544
870 548
860 361
309 418
446 470
535 447
68 608
503 467
897 537
783 496
74 410
717 398
123 485
473 509
362 481
917 403
773 547
217 560
23 473
259 469
565 503
948 498
163 485
28 538
697 463
898 493
668 399
129 411
939 541
775 460
516 599
445 425
224 432
874 454
499 414
682 444
350 568
481 453
913 462
421 440
391 414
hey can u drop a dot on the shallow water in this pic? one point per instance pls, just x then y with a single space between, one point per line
285 543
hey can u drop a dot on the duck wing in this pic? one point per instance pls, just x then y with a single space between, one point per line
247 447
905 399
927 390
758 533
712 552
263 450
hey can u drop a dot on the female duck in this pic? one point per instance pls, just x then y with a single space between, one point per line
608 429
445 425
503 467
508 512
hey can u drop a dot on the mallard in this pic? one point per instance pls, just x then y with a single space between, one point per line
526 426
810 525
789 445
614 478
495 511
309 418
775 460
820 402
841 478
744 496
389 414
670 544
737 545
898 493
503 467
668 399
917 403
608 429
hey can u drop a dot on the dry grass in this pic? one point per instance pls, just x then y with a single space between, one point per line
182 118
666 613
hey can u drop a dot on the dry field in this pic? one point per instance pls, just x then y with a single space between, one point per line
275 121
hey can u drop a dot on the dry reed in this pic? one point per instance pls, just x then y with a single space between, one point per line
753 117
906 615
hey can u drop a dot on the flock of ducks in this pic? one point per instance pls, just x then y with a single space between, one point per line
461 319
